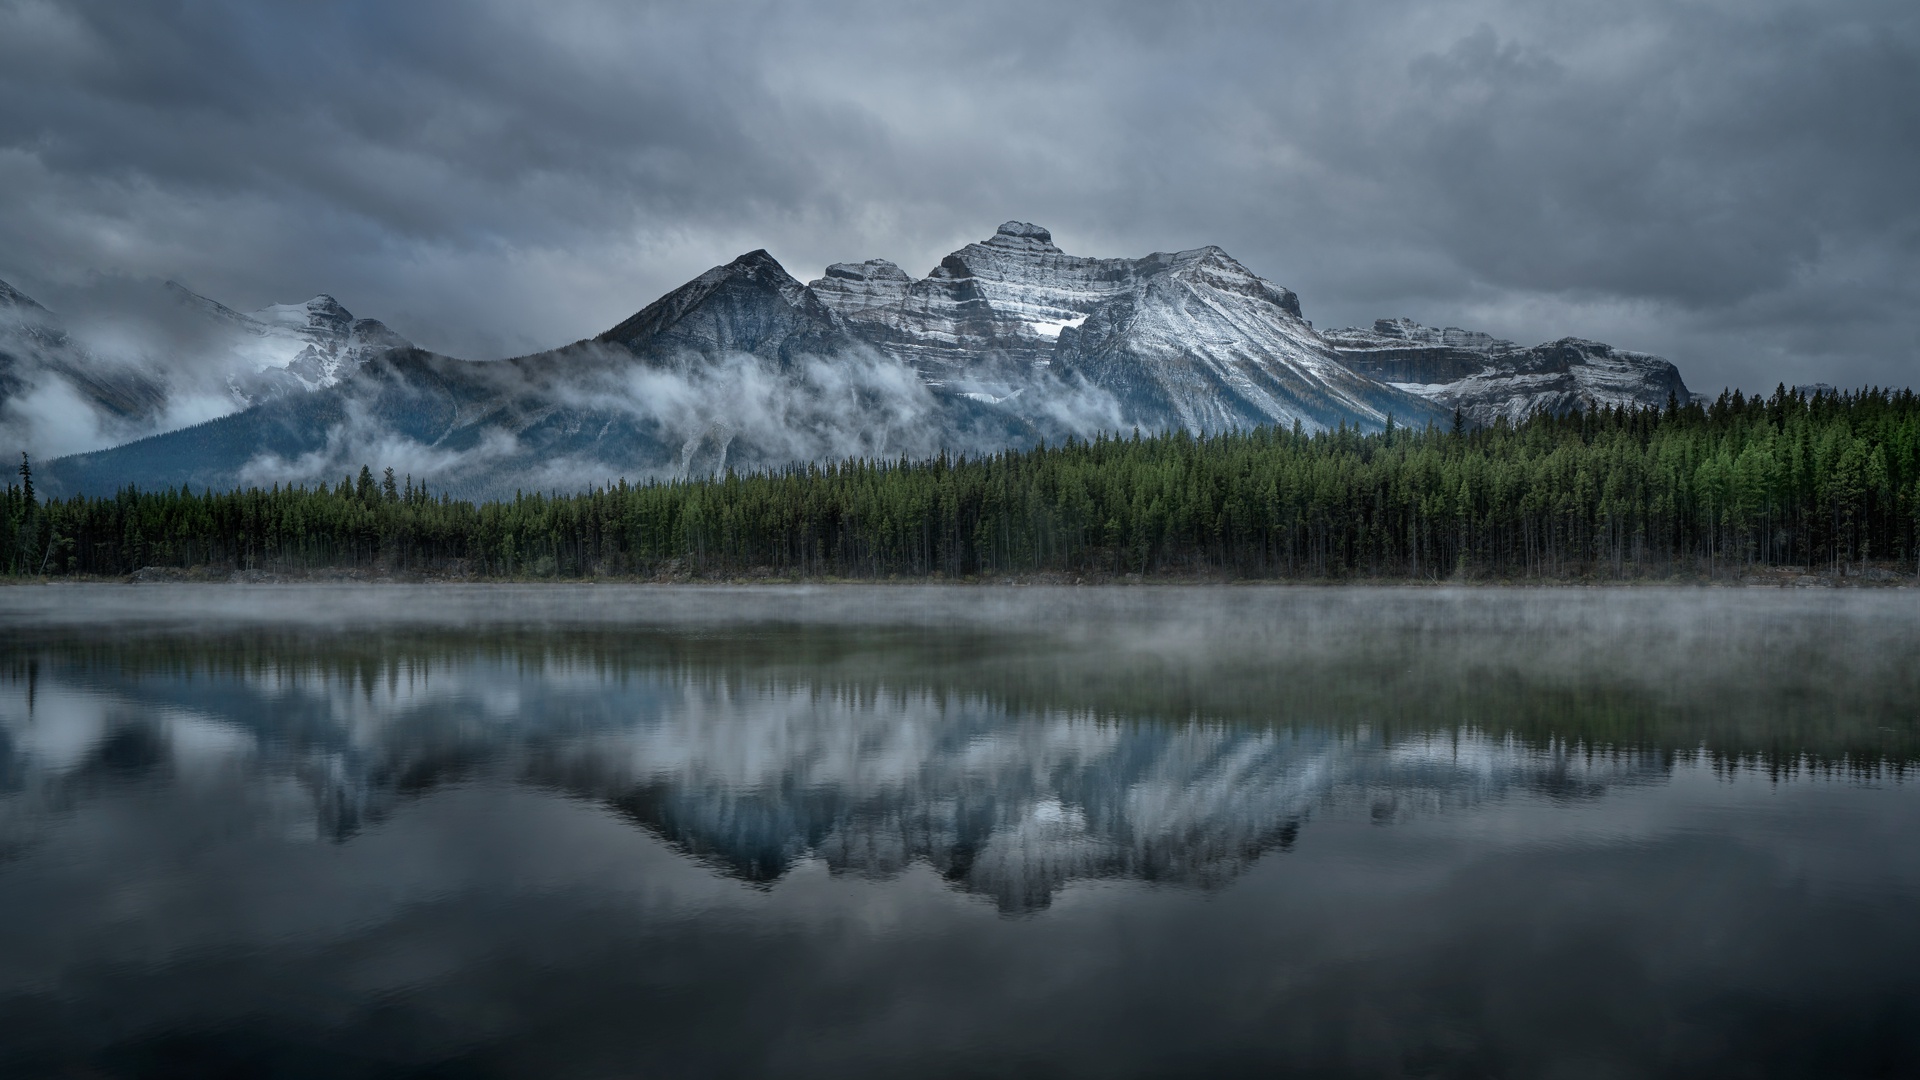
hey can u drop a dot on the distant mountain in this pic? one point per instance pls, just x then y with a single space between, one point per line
1007 342
284 348
191 357
1487 378
50 385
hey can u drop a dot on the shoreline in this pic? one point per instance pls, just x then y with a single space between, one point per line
1857 577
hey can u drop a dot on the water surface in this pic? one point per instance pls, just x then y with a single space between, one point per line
600 832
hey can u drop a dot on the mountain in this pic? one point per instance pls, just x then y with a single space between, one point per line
751 306
51 387
285 348
1489 379
741 368
1007 342
1189 340
167 361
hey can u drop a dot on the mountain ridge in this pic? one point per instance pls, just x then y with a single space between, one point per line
1489 379
1006 342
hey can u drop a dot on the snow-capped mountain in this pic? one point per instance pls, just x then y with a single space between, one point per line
1488 379
1004 299
742 368
168 361
1007 342
1189 340
288 347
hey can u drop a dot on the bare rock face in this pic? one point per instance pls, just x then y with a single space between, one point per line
1201 343
854 287
1190 340
1488 379
1002 300
750 306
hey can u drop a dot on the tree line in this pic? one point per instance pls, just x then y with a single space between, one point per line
1819 482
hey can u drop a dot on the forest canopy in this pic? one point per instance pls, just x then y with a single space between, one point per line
1822 482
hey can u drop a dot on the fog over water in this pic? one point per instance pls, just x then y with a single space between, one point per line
313 830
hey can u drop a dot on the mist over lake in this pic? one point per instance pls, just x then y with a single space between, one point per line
600 830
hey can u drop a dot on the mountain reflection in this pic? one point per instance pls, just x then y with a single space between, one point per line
748 766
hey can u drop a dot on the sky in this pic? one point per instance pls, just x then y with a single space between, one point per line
1733 184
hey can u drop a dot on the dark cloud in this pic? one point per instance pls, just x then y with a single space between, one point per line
1725 183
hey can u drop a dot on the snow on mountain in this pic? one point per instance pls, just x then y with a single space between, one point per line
850 288
1190 340
742 368
146 364
1487 379
999 301
1007 342
288 347
1198 341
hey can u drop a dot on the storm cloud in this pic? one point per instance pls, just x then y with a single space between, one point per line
1727 184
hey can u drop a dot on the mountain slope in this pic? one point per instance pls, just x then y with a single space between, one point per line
1003 300
742 368
1204 344
751 305
54 393
1488 379
286 348
1188 340
1007 342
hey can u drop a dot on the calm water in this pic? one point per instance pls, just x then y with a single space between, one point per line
609 832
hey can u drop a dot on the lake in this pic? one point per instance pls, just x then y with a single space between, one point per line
609 831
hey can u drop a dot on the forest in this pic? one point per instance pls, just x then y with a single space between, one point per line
1828 482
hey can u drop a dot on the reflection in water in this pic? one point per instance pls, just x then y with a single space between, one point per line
1183 739
752 779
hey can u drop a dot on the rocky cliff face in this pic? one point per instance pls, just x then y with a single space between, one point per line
1005 299
1199 342
750 306
285 348
1190 340
1487 379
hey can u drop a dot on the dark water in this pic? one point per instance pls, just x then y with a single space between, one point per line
599 832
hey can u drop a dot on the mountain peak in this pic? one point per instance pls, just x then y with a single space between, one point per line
750 305
871 270
1022 235
1407 333
850 287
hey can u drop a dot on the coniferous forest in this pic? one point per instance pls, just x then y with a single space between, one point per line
1826 482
